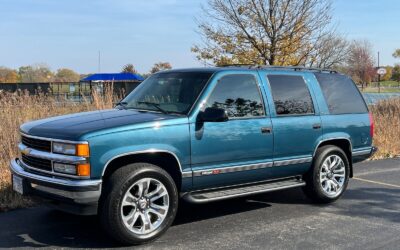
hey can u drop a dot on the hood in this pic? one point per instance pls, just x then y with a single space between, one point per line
74 126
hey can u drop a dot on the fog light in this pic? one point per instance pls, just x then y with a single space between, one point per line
64 168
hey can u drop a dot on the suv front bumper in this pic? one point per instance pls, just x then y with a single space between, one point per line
75 196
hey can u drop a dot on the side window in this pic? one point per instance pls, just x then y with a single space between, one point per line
239 95
341 94
291 95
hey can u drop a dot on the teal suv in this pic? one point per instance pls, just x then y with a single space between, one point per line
198 135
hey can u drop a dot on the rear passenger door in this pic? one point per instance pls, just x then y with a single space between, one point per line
295 120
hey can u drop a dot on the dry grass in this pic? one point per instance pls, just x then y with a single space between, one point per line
19 107
387 128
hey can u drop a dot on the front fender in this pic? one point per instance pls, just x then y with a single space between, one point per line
172 139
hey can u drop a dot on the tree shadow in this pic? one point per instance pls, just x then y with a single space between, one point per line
369 202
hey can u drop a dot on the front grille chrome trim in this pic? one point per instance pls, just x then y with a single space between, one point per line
51 156
37 163
51 173
35 143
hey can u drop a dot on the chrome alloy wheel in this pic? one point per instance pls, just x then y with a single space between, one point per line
145 206
332 175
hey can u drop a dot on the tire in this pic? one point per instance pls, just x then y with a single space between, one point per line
320 180
129 219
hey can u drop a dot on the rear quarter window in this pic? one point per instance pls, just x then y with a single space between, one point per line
341 94
291 95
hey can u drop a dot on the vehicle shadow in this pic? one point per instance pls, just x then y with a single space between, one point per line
42 227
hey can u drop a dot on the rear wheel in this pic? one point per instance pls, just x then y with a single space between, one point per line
329 176
139 203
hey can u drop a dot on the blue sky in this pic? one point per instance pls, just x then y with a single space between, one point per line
70 33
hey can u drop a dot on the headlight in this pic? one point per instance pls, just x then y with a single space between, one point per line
71 149
64 148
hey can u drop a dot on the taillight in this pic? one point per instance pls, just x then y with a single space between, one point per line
371 125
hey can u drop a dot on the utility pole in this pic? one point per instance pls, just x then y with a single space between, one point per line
99 63
379 77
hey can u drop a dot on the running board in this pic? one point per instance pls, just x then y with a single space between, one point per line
233 192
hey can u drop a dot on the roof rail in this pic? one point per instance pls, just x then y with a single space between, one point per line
298 68
294 68
238 65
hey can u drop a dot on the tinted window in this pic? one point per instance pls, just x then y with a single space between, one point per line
291 95
238 95
173 92
341 94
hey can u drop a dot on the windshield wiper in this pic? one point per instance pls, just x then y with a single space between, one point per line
122 104
156 105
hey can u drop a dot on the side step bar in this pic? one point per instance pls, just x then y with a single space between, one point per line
233 192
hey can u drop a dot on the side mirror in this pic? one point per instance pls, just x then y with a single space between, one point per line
213 115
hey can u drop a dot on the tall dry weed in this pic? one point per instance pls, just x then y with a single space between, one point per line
386 116
20 107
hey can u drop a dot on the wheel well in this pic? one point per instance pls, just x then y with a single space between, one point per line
345 145
164 160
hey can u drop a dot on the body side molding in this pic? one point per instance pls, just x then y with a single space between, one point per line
231 169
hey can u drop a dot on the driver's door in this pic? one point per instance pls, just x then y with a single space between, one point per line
238 150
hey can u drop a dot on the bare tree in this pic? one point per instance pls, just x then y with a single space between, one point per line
360 62
274 32
36 73
129 68
396 53
66 75
8 75
160 66
331 52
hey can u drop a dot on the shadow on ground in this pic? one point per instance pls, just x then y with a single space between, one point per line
40 227
47 227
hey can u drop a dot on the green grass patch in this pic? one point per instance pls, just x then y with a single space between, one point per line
385 84
383 90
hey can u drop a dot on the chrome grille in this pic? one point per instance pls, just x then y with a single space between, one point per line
38 144
38 163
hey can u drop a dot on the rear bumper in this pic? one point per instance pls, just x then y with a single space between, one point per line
362 155
76 196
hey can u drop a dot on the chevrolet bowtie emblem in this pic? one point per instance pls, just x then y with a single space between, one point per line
26 151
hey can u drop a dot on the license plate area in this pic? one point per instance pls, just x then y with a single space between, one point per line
18 184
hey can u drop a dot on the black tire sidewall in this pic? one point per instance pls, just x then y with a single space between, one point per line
322 154
117 192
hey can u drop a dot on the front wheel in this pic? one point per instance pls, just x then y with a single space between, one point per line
139 203
329 176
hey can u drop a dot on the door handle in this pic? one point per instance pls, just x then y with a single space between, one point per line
316 126
266 130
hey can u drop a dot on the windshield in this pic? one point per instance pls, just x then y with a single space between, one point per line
170 92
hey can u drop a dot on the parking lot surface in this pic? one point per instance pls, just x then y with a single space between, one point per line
366 217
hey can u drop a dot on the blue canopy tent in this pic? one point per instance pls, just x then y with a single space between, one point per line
107 77
122 82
